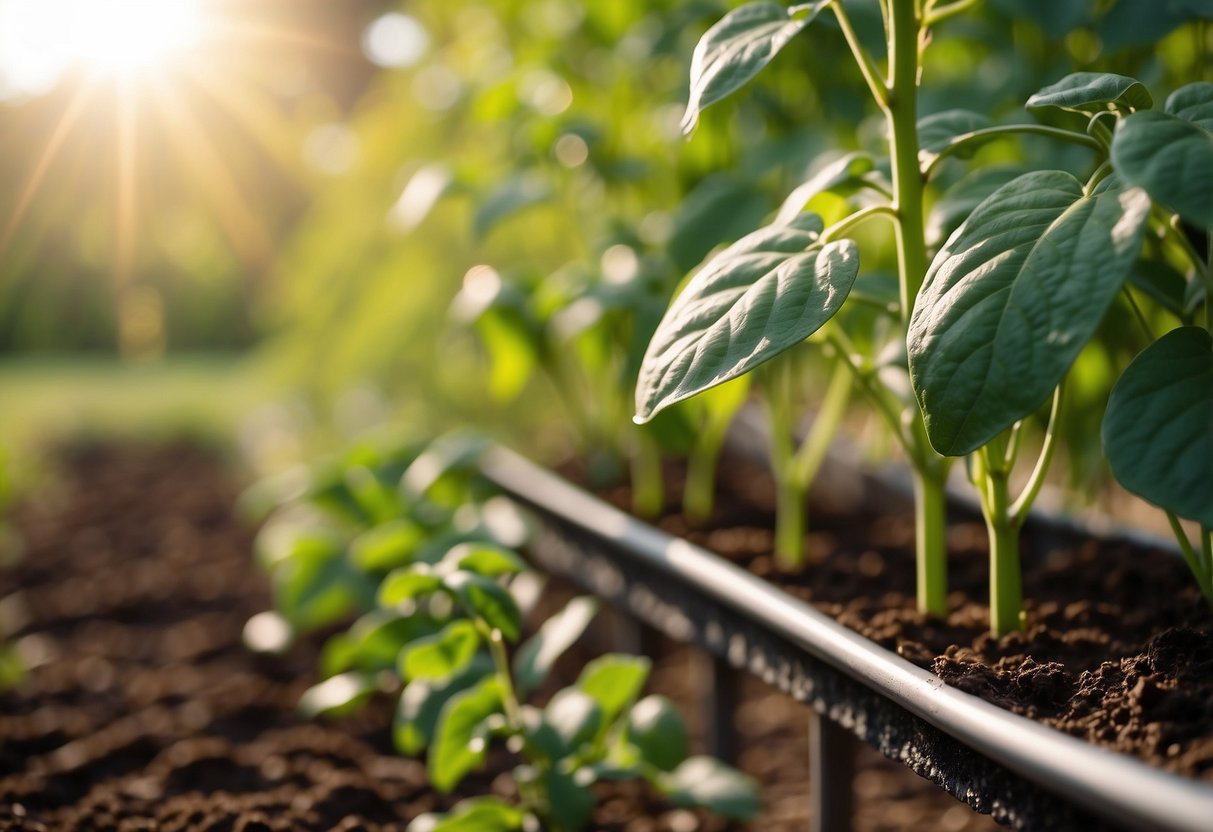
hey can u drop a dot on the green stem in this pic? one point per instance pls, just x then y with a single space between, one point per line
699 493
958 143
901 112
877 394
790 522
939 14
648 486
993 472
1201 563
1020 508
1137 313
789 494
866 66
812 452
930 503
859 217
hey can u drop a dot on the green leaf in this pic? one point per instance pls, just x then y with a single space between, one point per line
483 814
408 584
1011 299
373 642
487 600
1171 158
1094 92
461 736
575 716
337 696
421 703
721 208
614 680
937 129
534 659
570 803
762 295
485 559
1158 428
843 174
441 655
1194 103
1163 282
736 49
656 728
959 200
387 546
707 782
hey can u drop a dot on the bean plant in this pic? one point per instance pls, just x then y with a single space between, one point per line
404 538
993 321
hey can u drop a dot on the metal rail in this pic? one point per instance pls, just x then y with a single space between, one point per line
1025 774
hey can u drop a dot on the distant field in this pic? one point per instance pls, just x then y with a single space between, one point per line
48 399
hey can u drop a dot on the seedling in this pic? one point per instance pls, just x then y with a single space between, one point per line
404 537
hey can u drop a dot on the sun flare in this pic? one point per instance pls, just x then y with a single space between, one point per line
40 40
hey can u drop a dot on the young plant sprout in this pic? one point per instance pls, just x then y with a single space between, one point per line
441 592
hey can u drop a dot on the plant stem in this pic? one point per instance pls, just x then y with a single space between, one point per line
959 142
1028 496
847 223
699 494
870 75
812 452
790 522
1200 562
648 486
1006 582
789 494
930 504
901 113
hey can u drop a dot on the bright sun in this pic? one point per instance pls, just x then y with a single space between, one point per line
42 39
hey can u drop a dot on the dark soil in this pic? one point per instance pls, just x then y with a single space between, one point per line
1118 647
143 711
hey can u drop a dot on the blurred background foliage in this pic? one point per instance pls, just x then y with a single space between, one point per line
327 198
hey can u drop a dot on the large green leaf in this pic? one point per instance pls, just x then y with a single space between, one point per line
1194 103
1094 92
461 736
765 293
1013 296
538 653
737 48
1158 429
1171 158
704 781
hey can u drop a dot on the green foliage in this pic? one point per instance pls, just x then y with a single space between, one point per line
762 295
442 635
737 48
1156 429
1013 296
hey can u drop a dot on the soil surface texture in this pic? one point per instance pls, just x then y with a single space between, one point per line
1118 643
141 709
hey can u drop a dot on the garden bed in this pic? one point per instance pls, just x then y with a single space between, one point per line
1102 658
145 711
